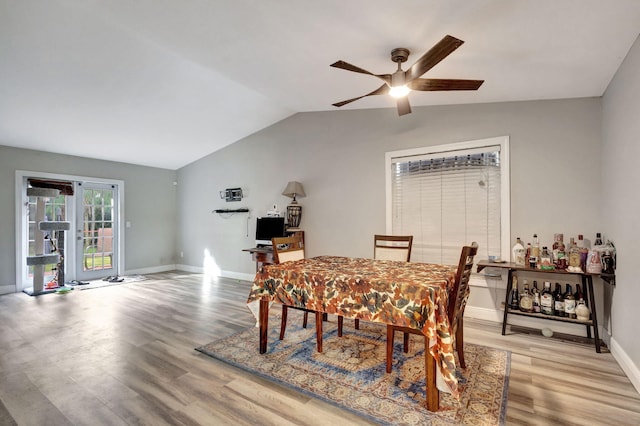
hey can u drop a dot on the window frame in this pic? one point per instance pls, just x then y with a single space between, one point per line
450 150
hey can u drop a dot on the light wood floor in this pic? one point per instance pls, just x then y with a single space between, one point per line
125 355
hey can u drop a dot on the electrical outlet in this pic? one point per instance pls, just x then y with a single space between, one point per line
181 254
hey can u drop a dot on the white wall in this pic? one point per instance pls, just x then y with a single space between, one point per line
150 206
620 205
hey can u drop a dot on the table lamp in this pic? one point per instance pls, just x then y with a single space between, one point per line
294 210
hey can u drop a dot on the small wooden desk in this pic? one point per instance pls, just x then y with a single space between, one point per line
262 256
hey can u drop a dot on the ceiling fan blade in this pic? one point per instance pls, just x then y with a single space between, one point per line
382 90
403 105
435 84
430 59
347 66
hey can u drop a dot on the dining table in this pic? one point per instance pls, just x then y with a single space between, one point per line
406 294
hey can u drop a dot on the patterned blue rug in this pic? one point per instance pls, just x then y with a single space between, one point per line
350 373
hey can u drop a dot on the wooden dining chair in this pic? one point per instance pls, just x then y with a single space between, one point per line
458 297
392 247
387 247
286 249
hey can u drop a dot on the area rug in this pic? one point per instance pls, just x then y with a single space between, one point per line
106 282
350 373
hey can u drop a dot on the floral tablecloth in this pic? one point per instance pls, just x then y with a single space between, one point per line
407 294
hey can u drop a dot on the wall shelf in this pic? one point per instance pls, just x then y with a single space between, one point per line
240 210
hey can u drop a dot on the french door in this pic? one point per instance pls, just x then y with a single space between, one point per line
96 230
92 247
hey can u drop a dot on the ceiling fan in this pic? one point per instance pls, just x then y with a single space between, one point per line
400 83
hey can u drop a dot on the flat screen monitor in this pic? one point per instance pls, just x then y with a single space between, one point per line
268 228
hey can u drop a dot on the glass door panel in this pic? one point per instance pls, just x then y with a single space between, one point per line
96 236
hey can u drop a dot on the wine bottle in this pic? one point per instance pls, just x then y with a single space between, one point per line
578 294
558 301
546 299
536 297
569 303
514 300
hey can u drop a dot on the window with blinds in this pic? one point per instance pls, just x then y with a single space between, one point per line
449 196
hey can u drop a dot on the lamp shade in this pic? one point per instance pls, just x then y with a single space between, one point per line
293 190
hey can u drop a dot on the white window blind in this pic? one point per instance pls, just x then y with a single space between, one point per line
447 198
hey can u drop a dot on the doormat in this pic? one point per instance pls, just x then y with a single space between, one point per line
106 282
350 373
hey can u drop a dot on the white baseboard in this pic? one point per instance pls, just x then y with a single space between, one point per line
238 275
631 370
7 289
151 270
189 268
226 274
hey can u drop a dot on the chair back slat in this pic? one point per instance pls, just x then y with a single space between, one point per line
392 247
286 249
460 292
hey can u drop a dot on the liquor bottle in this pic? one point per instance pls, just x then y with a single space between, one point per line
534 255
536 297
569 303
584 252
607 263
574 254
558 252
558 302
545 259
546 299
518 252
582 311
611 250
514 300
557 240
594 263
598 241
526 300
527 254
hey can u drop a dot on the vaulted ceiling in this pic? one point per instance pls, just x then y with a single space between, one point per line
165 82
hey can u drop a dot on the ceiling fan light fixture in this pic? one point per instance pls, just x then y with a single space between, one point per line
400 83
399 91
